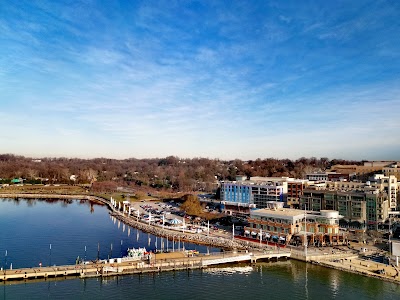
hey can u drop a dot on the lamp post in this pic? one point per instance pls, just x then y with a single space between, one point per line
50 256
390 233
305 232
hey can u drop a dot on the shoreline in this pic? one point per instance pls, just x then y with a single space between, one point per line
351 263
359 271
213 241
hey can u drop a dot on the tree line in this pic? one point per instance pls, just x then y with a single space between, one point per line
169 173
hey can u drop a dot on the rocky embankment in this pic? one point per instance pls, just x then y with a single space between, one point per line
196 238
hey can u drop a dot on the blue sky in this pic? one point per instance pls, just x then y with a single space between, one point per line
217 79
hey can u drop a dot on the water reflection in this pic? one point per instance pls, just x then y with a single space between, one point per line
64 202
229 270
334 283
69 231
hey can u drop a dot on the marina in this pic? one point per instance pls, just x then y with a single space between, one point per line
83 223
167 237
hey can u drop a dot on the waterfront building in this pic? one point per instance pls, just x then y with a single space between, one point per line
358 208
287 225
380 182
387 184
241 196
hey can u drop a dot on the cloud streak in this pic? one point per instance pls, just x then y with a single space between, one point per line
199 79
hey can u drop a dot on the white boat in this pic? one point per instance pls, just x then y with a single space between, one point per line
138 254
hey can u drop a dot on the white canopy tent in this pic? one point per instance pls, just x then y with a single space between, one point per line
175 222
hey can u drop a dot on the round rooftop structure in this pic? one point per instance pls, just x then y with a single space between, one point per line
330 214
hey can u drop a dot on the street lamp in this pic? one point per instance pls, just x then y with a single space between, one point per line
305 232
390 233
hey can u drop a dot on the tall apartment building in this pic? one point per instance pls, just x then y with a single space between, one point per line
358 208
295 190
389 185
385 184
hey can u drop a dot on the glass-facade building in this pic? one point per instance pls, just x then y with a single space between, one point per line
251 194
368 209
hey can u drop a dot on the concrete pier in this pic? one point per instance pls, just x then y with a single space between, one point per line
158 263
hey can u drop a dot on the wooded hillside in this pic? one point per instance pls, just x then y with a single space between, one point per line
170 173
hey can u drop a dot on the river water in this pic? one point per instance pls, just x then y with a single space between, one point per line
28 227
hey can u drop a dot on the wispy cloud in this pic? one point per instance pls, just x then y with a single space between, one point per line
200 79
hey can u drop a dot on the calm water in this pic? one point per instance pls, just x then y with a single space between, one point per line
28 228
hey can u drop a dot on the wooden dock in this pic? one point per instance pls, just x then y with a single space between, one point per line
163 263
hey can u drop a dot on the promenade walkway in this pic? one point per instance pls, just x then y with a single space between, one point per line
164 262
363 267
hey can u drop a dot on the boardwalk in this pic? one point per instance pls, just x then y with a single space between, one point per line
136 267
